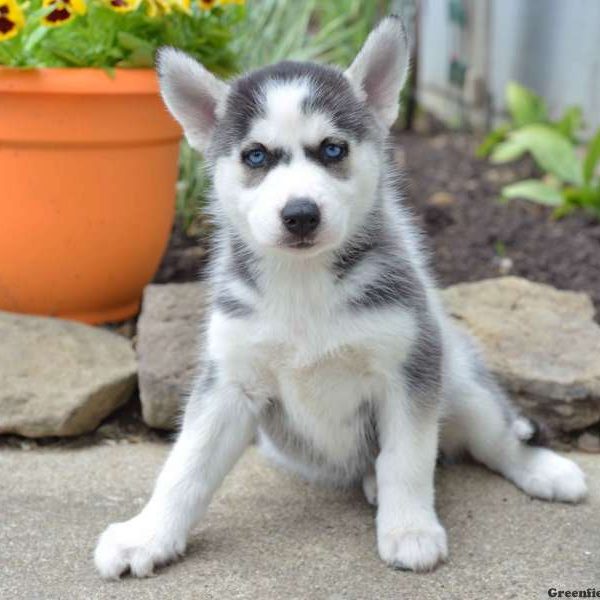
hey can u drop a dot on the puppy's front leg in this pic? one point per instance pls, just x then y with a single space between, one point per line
409 535
218 426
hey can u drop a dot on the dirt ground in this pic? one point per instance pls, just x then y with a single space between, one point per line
471 234
474 236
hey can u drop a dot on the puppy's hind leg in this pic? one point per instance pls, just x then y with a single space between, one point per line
217 427
481 420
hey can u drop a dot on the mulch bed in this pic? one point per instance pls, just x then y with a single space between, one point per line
471 235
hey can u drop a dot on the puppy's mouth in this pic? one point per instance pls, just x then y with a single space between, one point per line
300 244
306 246
301 247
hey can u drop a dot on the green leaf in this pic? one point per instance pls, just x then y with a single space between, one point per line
491 140
36 36
140 58
562 211
585 197
591 158
552 151
535 190
70 58
132 42
6 57
507 151
570 123
524 106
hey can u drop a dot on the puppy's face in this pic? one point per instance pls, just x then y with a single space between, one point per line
295 149
293 173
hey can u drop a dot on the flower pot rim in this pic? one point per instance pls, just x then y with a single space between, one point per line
82 81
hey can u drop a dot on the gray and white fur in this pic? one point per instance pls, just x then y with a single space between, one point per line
326 338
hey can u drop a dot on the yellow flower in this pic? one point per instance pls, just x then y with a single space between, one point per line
123 5
209 4
165 7
63 11
151 8
182 5
12 19
157 8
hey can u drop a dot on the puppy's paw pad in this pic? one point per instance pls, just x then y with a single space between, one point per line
136 547
414 549
552 477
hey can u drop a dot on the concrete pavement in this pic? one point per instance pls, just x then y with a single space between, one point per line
269 536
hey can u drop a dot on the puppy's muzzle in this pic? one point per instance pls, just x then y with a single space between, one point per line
301 217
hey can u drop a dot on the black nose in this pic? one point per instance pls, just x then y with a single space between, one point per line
301 216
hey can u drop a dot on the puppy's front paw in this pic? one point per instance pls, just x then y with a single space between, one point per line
136 545
415 549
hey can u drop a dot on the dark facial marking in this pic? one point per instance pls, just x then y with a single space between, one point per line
338 165
331 93
254 175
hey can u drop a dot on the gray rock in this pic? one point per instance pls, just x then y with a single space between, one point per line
542 343
589 442
60 378
168 346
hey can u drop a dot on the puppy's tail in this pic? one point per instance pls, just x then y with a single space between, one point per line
529 431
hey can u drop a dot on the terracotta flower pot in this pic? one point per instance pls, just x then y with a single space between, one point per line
88 167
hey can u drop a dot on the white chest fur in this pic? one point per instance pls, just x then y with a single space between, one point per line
321 366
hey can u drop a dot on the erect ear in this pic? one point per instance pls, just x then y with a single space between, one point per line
379 71
192 94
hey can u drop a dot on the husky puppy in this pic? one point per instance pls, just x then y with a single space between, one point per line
326 338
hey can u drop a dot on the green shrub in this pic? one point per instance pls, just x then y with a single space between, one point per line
527 108
570 180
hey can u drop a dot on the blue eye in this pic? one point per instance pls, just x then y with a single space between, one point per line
333 151
256 157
